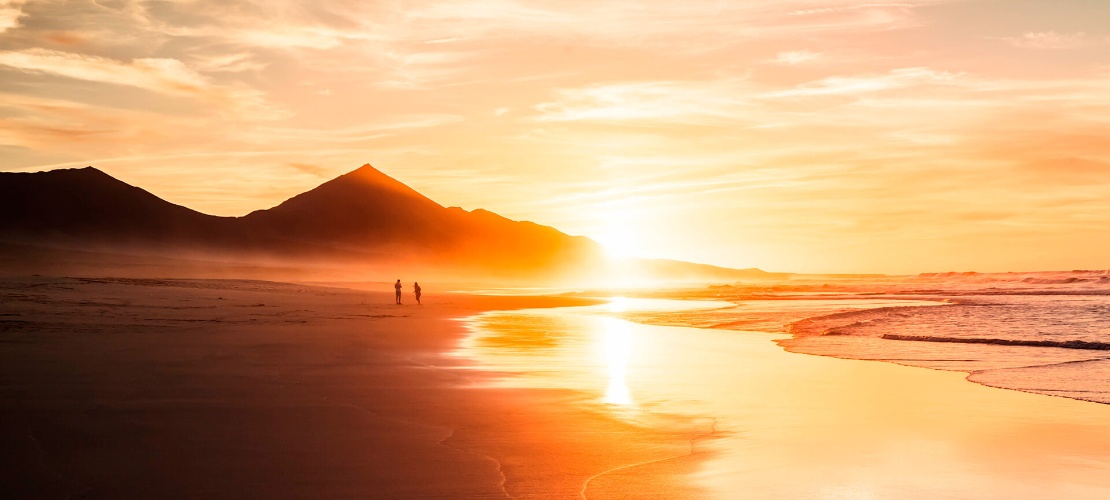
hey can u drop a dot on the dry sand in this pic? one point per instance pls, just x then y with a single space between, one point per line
138 388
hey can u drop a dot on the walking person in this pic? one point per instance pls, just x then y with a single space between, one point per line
416 290
397 286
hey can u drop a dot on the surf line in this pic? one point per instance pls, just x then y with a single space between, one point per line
693 451
1064 344
500 470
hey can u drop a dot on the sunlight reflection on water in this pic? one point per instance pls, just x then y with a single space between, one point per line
618 351
587 348
798 426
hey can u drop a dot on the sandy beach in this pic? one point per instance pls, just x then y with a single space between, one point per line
127 388
122 388
782 249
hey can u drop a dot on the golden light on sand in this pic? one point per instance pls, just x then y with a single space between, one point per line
771 424
618 352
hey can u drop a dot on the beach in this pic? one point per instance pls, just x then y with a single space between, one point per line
142 388
665 250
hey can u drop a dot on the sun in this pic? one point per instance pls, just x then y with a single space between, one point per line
618 235
618 242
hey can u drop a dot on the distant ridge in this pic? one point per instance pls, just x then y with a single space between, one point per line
359 219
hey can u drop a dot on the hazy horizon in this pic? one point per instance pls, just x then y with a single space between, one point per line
188 259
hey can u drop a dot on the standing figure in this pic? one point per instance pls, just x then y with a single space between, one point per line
416 289
397 286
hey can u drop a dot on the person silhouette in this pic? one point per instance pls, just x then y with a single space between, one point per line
397 286
416 290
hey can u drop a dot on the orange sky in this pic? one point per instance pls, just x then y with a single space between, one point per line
791 135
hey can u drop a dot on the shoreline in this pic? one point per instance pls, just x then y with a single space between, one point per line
826 340
970 355
793 425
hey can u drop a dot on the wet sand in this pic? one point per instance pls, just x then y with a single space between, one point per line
785 425
248 389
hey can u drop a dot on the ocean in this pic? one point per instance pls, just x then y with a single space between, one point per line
1042 332
1046 333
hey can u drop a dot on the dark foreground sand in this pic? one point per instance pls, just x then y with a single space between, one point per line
124 388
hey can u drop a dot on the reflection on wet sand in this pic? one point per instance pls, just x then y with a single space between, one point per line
800 426
618 351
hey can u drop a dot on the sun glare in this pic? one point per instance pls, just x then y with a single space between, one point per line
618 351
618 240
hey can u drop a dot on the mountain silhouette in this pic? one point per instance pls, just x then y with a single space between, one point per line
358 208
86 206
359 219
366 212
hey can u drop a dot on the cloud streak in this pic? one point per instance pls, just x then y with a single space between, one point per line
1050 40
10 12
161 75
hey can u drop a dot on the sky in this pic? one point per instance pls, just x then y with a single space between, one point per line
789 135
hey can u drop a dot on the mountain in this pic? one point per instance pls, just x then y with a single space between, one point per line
86 206
368 212
676 270
363 207
360 223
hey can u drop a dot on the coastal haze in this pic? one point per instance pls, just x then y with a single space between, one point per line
352 228
612 250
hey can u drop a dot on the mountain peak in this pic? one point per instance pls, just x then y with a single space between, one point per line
366 167
366 170
67 176
89 174
367 176
79 171
357 208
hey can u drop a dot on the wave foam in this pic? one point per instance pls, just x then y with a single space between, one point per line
1065 344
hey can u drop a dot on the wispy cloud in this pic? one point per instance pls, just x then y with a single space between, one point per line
161 75
10 12
42 124
851 7
855 85
379 128
795 57
704 102
229 63
1050 40
310 169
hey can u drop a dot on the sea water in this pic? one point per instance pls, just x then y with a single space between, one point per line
1048 334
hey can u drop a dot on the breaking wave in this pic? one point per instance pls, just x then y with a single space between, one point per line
1065 344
